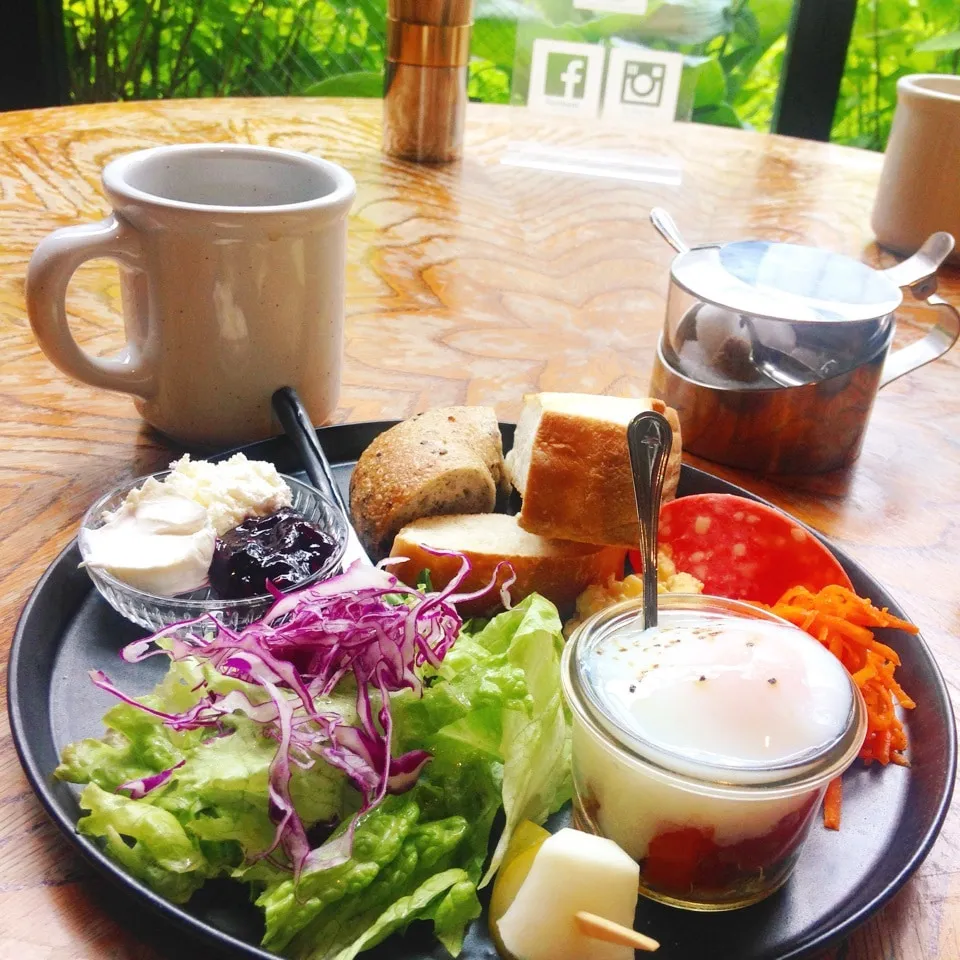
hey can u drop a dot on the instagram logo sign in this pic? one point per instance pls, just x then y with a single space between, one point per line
642 84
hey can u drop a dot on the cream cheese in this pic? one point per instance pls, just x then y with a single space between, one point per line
161 539
158 542
230 491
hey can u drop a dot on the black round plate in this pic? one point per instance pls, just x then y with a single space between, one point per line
891 816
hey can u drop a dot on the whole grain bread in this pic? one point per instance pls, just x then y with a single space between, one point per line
557 569
571 465
447 460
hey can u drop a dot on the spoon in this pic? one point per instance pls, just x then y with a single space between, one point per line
295 420
649 439
667 228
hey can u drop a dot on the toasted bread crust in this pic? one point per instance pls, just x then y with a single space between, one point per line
580 486
560 573
447 460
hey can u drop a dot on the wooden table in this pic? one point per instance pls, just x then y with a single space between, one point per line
470 283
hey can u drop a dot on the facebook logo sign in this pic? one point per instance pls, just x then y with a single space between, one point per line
566 76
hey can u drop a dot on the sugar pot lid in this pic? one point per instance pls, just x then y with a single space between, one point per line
786 281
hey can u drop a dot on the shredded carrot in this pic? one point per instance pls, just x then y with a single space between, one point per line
831 804
843 623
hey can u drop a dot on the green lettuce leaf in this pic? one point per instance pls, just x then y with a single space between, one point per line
412 886
493 720
150 842
498 696
213 812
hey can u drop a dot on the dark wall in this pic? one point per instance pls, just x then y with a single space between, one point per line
32 61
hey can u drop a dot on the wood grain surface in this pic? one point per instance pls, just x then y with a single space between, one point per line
470 283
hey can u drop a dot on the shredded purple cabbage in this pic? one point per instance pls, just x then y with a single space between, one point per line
140 788
305 645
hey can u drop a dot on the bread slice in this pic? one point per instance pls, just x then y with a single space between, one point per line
571 466
476 428
447 460
557 569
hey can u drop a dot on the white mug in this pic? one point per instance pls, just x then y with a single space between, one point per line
232 265
919 190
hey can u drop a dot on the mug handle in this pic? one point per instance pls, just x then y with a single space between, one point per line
53 263
935 344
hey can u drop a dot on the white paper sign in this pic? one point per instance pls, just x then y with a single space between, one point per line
566 78
642 84
612 6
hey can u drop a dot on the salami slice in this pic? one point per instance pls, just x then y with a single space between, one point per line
745 550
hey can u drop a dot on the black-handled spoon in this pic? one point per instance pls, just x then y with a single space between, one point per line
295 420
649 439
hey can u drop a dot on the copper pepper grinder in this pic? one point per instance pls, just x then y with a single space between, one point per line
425 80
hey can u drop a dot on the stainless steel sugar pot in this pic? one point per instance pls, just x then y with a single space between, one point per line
772 353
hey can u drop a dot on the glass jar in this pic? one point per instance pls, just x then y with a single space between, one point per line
707 835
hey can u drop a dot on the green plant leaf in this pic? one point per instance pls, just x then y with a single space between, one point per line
946 41
365 84
720 115
505 10
685 22
739 57
747 26
494 41
711 86
772 18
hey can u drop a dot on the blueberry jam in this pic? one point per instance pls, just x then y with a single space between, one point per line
283 548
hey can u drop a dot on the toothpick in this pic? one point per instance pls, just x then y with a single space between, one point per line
599 928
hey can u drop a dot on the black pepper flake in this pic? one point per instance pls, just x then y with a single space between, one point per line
633 688
750 643
772 681
702 678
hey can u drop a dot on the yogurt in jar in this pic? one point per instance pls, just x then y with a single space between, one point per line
703 747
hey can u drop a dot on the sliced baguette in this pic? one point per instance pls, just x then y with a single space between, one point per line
557 569
447 460
571 466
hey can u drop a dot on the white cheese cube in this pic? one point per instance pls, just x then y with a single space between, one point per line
572 871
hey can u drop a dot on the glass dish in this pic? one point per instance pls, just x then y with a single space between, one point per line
155 612
707 836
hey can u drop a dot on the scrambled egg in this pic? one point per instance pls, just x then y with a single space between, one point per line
600 595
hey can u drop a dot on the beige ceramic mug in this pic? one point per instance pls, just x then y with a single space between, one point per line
919 190
232 264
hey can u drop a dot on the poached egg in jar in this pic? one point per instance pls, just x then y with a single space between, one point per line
703 747
720 690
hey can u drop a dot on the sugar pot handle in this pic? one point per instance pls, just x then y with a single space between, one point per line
935 344
919 274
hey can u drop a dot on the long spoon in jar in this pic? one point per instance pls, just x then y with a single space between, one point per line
649 439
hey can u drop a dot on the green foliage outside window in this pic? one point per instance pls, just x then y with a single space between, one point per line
891 38
151 49
734 49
